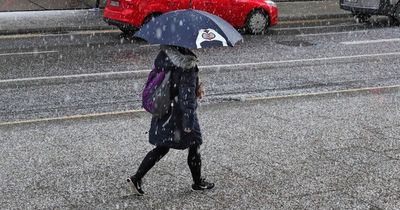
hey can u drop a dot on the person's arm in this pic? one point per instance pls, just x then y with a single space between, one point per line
187 99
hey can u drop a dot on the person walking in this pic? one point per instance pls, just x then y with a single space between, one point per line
180 128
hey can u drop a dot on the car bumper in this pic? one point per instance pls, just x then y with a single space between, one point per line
358 8
120 24
121 18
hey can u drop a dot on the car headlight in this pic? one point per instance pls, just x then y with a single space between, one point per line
270 3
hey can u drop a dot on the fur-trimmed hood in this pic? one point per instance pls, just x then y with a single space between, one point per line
184 61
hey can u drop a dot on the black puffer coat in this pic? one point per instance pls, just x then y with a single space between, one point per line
167 131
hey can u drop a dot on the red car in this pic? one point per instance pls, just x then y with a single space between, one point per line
255 16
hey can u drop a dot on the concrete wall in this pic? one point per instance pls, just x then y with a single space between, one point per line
26 5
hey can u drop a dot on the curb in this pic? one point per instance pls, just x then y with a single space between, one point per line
141 112
58 29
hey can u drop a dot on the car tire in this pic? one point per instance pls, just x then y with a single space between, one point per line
362 18
393 21
257 22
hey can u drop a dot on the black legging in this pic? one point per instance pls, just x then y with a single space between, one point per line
194 161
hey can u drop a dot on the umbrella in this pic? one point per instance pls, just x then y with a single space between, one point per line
190 29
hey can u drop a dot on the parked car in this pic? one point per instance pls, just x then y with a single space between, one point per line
364 9
255 16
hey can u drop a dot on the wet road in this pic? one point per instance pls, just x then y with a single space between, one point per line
56 75
331 151
315 130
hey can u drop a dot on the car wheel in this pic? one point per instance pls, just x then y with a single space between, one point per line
393 21
361 18
257 22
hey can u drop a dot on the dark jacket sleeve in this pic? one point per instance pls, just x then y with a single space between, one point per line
187 98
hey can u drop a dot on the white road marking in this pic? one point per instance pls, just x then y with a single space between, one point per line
116 113
325 93
19 36
28 53
71 117
332 33
316 27
371 41
71 76
304 60
149 45
201 67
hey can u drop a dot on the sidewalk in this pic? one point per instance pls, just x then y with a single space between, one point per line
41 5
336 151
71 20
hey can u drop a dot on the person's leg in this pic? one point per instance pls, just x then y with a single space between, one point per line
194 162
148 162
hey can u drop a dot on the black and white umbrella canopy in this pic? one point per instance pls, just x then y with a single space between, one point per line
189 28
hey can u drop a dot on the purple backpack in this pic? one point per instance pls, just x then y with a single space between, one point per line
156 94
